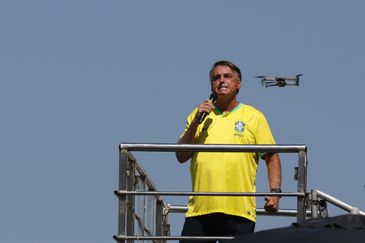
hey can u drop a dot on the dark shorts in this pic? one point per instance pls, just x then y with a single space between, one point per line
216 224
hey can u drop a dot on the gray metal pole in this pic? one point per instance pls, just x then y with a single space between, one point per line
314 204
259 211
130 198
159 218
231 194
123 158
168 147
302 185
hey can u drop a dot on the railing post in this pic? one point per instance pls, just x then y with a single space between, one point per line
302 185
130 179
314 204
123 160
160 224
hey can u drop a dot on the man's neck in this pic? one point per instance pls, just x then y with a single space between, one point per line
227 105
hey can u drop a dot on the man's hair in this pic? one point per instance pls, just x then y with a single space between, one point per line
225 63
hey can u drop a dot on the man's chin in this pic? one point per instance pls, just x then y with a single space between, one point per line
224 93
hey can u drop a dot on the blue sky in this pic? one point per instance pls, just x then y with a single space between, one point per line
79 77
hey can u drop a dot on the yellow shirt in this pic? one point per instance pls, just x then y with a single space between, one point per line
227 172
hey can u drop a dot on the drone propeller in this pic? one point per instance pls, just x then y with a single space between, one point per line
298 75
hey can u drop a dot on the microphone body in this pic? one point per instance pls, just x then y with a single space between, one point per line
213 98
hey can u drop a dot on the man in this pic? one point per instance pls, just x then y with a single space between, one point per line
227 122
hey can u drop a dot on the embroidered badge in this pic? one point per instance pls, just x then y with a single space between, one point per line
239 126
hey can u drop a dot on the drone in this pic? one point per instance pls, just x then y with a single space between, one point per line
279 81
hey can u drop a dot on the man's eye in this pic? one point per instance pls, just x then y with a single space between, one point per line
216 77
228 76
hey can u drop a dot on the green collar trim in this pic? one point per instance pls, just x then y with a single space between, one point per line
234 109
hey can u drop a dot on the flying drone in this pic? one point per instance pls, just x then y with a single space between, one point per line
279 81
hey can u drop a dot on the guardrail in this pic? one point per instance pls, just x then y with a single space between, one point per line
143 213
319 200
135 187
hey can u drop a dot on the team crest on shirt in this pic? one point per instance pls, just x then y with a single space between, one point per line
239 126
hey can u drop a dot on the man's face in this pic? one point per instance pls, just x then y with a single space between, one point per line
225 81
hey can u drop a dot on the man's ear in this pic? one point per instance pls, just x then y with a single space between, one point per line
239 85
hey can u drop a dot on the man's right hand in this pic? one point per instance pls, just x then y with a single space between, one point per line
207 106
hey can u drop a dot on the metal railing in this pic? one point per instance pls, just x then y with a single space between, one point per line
143 213
135 187
318 204
138 215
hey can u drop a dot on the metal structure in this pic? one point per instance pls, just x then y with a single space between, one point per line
143 213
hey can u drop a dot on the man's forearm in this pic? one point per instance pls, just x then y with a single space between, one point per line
187 138
274 170
274 174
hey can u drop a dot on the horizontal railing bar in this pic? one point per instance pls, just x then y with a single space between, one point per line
260 194
122 237
168 147
259 211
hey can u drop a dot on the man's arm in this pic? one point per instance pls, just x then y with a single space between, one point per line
274 173
187 138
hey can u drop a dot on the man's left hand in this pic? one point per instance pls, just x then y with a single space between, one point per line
272 204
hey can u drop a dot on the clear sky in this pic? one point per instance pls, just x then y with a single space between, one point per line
79 77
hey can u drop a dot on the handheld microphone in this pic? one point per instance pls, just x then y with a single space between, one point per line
213 98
